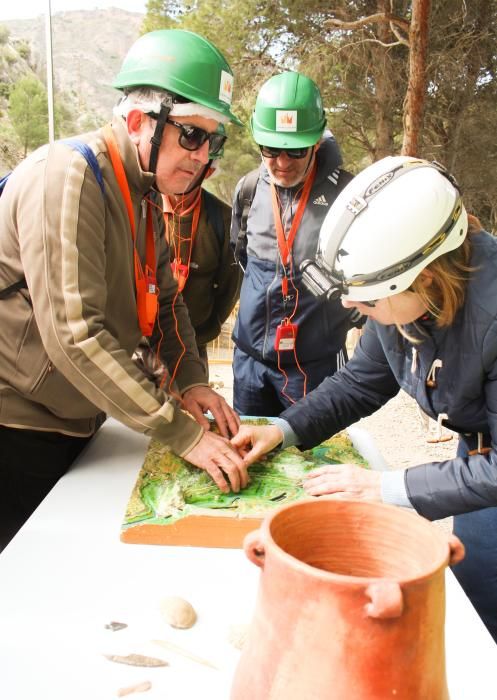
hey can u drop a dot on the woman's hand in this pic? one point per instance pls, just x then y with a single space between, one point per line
344 481
253 441
217 457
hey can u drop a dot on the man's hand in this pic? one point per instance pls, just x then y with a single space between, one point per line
344 481
253 441
201 399
215 455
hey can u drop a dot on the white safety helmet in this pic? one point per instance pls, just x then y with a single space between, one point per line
384 228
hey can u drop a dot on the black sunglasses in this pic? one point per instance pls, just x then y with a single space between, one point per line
191 137
296 153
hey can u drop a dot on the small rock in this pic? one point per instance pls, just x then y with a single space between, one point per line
178 612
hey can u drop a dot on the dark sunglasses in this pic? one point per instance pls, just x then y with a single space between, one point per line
191 138
296 153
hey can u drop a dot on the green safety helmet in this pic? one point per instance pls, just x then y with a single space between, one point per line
183 63
288 112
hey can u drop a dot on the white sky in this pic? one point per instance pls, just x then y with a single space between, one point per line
33 8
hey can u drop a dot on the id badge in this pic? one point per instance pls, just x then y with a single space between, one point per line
286 336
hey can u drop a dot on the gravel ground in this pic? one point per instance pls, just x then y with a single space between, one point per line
397 428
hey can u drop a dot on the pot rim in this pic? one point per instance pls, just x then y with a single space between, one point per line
359 581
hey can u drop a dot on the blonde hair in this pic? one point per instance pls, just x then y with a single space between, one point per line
445 295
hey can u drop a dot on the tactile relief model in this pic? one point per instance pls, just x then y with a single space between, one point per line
173 502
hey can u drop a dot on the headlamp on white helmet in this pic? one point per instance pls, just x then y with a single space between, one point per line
384 228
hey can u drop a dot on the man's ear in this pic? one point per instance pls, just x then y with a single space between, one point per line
134 122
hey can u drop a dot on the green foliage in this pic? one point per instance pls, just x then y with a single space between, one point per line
65 124
9 147
10 56
28 111
4 89
362 74
24 50
4 34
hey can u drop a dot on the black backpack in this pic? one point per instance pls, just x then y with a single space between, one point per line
246 194
91 159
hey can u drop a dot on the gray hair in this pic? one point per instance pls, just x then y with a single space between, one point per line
148 99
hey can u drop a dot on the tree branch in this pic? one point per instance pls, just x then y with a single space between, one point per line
371 19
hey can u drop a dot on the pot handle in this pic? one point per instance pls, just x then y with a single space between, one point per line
254 548
386 599
457 550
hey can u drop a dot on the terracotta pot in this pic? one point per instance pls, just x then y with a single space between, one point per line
351 605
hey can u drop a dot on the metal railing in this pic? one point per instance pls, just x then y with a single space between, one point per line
221 349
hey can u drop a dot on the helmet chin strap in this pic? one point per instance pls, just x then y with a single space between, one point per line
156 140
198 180
308 163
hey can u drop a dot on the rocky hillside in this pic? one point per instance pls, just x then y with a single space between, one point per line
88 48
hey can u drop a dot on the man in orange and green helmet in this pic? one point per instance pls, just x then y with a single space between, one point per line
287 341
85 272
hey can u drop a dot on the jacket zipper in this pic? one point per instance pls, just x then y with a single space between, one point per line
267 329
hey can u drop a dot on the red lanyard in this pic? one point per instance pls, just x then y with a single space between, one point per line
145 280
285 244
181 269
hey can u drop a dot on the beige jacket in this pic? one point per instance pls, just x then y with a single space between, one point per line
66 346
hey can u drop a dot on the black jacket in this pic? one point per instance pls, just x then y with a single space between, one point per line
466 390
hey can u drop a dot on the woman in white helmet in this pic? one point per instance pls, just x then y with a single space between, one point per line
399 245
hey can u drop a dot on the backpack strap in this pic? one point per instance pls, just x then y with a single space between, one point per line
87 153
214 215
246 195
3 182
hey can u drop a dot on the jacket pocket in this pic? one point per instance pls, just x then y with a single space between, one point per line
41 377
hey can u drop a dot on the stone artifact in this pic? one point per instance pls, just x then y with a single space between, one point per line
237 635
351 604
137 688
116 626
178 612
137 660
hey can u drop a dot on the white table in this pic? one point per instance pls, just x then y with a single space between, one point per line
66 574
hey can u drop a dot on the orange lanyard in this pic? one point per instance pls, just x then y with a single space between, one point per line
285 244
145 280
181 269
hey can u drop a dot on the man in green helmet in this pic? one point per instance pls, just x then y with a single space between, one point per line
85 272
287 341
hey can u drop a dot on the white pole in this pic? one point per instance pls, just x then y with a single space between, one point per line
48 48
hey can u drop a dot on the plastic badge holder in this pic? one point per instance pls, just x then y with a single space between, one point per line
286 336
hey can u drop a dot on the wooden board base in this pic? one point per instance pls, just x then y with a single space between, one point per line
194 531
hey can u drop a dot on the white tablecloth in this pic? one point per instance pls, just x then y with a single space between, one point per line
66 575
